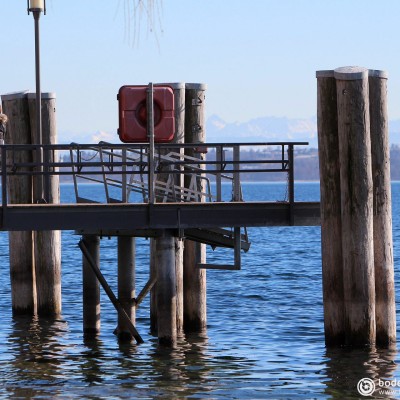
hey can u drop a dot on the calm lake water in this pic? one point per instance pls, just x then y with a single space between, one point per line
264 339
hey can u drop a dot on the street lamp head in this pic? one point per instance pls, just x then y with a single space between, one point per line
36 5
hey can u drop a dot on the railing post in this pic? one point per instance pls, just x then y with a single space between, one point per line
236 173
150 133
124 196
218 180
291 184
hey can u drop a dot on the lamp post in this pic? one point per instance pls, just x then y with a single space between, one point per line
37 7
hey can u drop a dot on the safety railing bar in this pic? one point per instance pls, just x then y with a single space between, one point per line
225 162
136 156
89 179
121 172
144 146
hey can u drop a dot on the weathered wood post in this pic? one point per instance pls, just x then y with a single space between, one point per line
383 243
356 204
179 137
166 289
47 244
153 292
23 287
331 226
194 278
179 101
91 288
126 284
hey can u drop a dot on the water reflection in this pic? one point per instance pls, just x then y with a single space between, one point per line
270 347
91 365
346 366
35 351
181 371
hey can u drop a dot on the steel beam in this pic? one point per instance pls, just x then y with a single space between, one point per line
130 217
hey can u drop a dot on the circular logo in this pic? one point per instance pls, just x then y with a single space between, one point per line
366 386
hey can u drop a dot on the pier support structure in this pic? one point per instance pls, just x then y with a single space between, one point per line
331 222
356 205
91 288
47 244
22 267
166 289
382 216
179 138
126 284
365 260
35 257
194 278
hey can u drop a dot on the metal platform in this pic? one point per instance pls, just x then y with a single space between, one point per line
148 190
110 219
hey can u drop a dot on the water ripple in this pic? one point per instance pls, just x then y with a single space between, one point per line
264 340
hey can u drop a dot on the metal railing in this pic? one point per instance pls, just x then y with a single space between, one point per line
182 172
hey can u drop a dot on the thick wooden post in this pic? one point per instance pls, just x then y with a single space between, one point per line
166 289
179 284
179 137
47 244
91 288
331 226
179 100
356 204
194 278
153 292
126 284
383 243
23 287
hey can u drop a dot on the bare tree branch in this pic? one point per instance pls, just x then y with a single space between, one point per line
134 12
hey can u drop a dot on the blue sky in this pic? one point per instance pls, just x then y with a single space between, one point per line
258 57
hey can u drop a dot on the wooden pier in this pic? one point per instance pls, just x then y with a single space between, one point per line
186 194
177 212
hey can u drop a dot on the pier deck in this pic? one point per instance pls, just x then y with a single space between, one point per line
187 192
86 218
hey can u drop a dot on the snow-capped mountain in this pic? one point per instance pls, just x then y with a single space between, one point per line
264 129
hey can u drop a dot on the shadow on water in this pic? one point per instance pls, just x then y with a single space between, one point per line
345 367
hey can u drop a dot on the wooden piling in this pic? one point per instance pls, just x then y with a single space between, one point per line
23 287
179 137
331 226
194 278
91 289
153 292
179 101
356 204
126 284
47 244
166 289
382 219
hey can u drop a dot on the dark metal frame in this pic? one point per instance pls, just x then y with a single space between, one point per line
179 215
